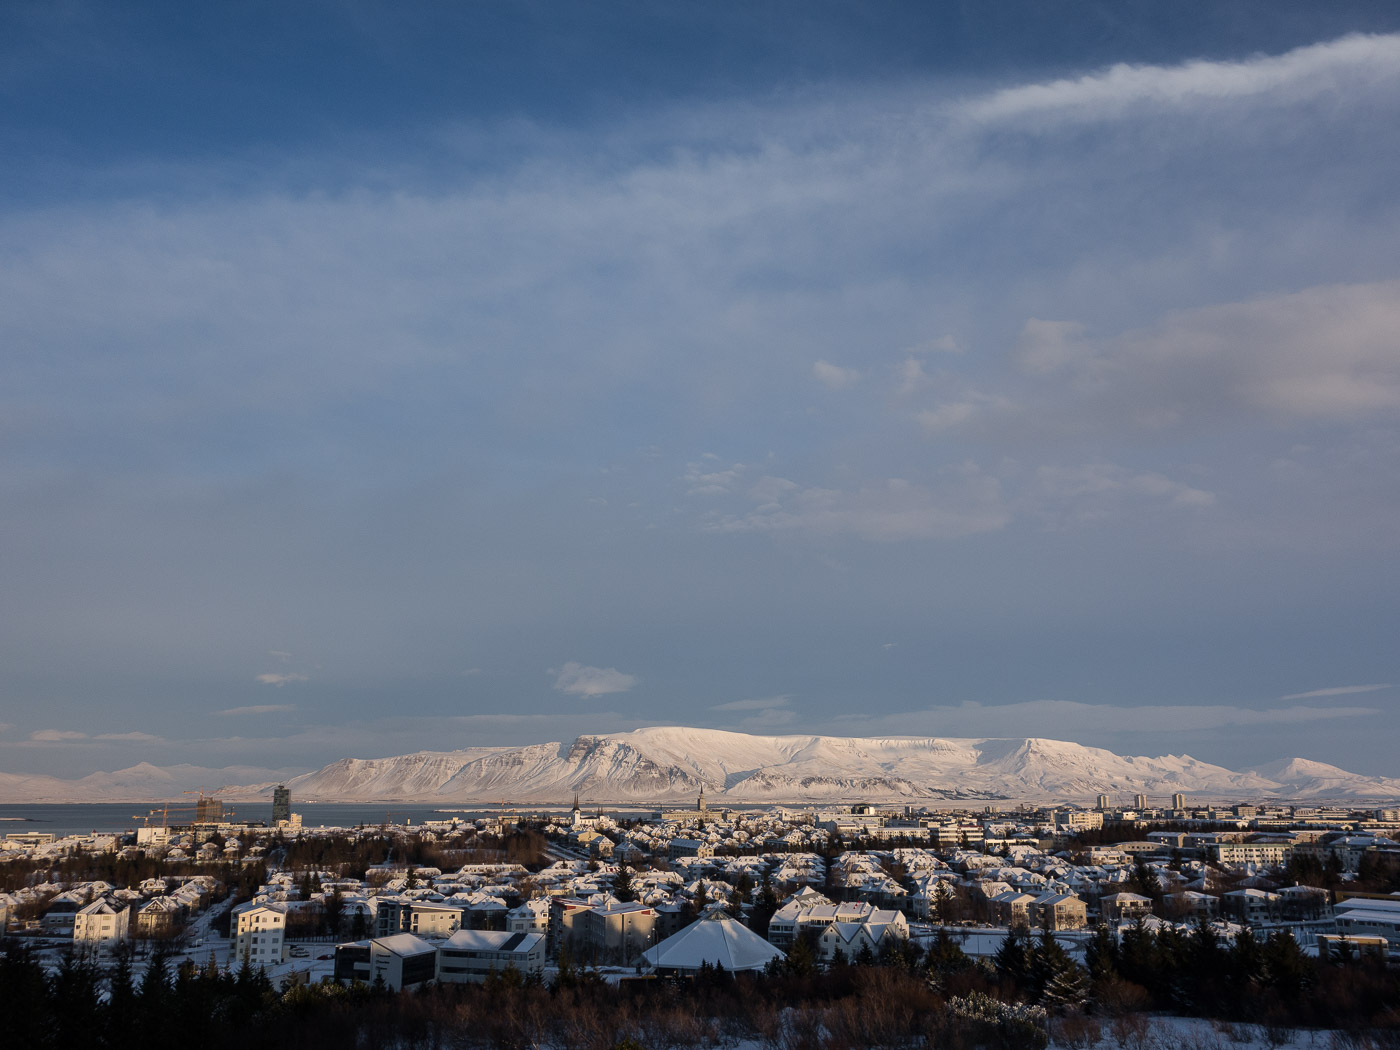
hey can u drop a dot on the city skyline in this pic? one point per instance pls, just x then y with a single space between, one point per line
380 378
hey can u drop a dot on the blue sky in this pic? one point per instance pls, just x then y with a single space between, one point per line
379 377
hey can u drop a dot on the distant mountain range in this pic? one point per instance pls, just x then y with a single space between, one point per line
672 764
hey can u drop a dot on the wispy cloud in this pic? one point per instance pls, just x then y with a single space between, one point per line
132 738
56 736
1073 720
834 377
762 703
1302 73
257 709
1337 690
581 680
967 501
704 478
279 679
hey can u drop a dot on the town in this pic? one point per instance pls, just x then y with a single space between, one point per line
1046 904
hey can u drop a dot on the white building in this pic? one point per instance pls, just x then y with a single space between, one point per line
104 921
402 961
259 934
530 917
1370 917
470 955
716 940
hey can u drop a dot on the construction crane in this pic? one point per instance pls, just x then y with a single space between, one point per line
206 810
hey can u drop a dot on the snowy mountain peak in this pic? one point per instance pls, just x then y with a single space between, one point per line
672 764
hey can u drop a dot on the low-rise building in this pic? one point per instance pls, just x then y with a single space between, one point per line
402 961
1124 907
1370 917
1058 911
471 955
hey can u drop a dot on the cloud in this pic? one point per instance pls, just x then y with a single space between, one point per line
762 703
1072 720
5 727
1316 70
1338 690
1095 491
54 736
702 479
279 680
134 737
1325 353
967 501
257 709
581 680
834 377
950 415
770 718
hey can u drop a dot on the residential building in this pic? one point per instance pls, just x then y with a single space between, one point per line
104 921
1124 907
1267 854
616 932
1252 906
679 848
530 917
1058 911
259 934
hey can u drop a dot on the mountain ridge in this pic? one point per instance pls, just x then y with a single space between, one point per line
670 764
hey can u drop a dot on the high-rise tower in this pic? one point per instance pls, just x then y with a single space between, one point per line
281 803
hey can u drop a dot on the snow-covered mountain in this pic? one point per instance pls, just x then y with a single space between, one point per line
673 763
1307 779
143 782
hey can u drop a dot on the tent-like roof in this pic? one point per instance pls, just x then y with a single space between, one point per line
716 939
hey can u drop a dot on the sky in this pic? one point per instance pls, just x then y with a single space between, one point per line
377 377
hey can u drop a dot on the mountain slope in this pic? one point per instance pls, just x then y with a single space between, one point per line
672 764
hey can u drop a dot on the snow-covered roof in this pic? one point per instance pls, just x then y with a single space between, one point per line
715 939
404 944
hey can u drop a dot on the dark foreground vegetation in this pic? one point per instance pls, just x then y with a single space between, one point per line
939 999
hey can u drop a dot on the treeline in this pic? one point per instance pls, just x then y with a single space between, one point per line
194 1008
907 998
1266 982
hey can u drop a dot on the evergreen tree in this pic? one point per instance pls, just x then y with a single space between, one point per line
28 1010
943 903
1285 968
1101 954
121 997
334 912
1067 989
945 955
762 912
802 957
622 884
75 1003
1012 959
1245 968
